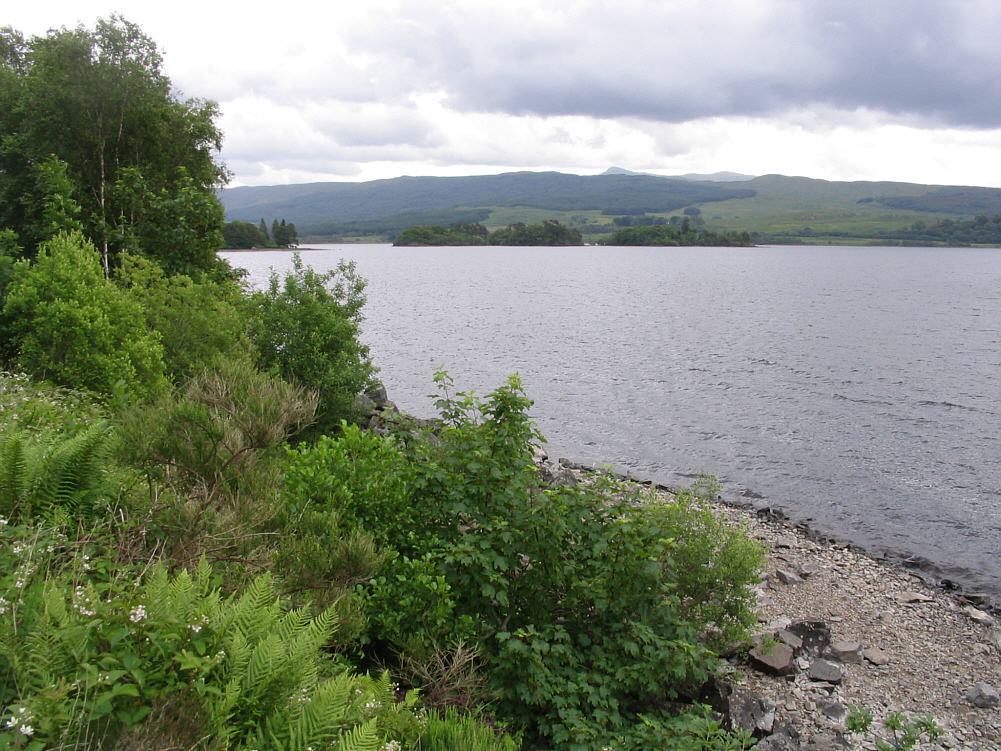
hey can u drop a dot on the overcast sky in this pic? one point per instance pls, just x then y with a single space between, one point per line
838 89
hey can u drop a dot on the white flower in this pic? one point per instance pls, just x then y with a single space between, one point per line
27 730
373 704
195 628
137 614
3 522
10 723
392 746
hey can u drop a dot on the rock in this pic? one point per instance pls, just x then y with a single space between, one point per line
377 394
824 742
911 597
803 663
876 656
816 635
826 671
983 695
773 658
846 652
778 742
978 615
778 624
785 541
790 639
835 711
751 712
808 570
365 405
787 577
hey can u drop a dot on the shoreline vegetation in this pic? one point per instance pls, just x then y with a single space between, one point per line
216 532
552 233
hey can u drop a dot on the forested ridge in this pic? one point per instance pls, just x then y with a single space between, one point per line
202 543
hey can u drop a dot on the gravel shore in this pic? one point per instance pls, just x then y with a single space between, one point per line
936 647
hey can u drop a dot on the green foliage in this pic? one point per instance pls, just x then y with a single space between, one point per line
666 234
245 235
178 225
41 475
579 598
200 323
305 327
57 209
97 100
358 478
36 408
452 731
95 665
213 435
903 734
72 326
710 562
549 232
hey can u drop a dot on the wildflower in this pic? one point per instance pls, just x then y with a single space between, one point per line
392 746
137 614
3 522
373 704
27 730
3 605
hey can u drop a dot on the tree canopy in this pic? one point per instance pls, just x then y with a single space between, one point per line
91 128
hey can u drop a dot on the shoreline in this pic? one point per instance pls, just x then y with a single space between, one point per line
926 646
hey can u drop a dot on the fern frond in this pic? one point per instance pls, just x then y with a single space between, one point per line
13 475
360 738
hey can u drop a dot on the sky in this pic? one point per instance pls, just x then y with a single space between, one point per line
905 90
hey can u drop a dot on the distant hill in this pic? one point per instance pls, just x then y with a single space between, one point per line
320 207
711 177
774 208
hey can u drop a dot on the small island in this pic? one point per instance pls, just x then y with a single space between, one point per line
550 232
675 235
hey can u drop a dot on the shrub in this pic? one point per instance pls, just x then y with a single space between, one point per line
305 327
581 599
200 323
212 435
72 326
214 446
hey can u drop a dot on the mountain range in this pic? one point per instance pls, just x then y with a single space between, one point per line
776 207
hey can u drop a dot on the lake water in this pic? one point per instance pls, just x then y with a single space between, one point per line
856 388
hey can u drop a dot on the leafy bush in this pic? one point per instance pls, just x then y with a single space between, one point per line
583 603
72 326
305 327
200 323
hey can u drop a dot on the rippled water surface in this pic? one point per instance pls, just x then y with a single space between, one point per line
859 388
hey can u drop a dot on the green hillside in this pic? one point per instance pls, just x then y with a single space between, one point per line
790 205
318 208
775 208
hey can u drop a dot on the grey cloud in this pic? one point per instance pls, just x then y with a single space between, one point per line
937 61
